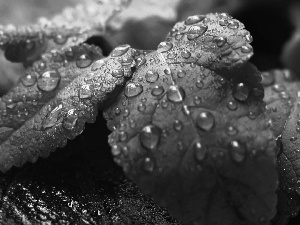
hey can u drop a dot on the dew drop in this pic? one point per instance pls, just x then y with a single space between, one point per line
278 88
140 61
120 50
196 31
29 80
175 93
185 54
237 152
164 47
117 73
181 73
53 117
232 105
84 61
220 41
117 111
292 139
297 187
150 136
241 92
151 76
60 39
148 164
197 100
231 131
246 49
233 24
199 151
157 90
164 103
199 83
85 91
49 80
205 121
177 125
70 119
267 78
133 89
122 136
194 19
141 107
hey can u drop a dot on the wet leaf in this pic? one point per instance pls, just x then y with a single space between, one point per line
55 98
71 27
185 126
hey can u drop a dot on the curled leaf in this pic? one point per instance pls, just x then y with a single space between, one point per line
55 98
187 133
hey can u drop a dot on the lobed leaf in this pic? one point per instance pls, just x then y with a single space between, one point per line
185 127
55 98
71 27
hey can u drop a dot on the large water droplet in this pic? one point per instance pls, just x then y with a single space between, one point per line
133 89
49 80
120 50
175 93
157 90
150 136
53 117
241 92
194 19
164 47
237 152
267 78
196 31
205 121
84 61
151 76
148 164
70 119
199 151
29 80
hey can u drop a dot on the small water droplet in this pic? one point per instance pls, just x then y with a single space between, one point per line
292 139
85 91
117 73
133 89
157 90
53 117
231 105
251 115
196 31
220 41
141 107
117 111
241 92
164 103
194 19
231 131
199 83
278 88
120 50
126 112
185 54
122 136
60 39
150 136
151 76
199 151
84 61
232 24
177 125
246 49
237 152
70 119
164 47
197 100
205 121
167 71
29 80
181 73
140 61
148 164
297 187
175 93
49 80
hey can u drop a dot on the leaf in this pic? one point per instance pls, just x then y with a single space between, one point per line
282 98
185 127
55 99
72 27
77 185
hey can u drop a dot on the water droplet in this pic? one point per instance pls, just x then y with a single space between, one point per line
220 41
223 22
194 19
185 54
297 187
164 47
70 119
150 136
237 152
177 125
164 103
232 105
197 100
85 91
151 76
148 164
49 80
181 73
199 83
122 135
97 65
196 31
167 71
29 80
246 49
231 131
205 121
292 139
53 117
117 73
278 88
157 90
267 78
84 61
251 115
241 92
140 61
60 39
141 107
248 37
133 89
199 151
117 111
175 93
120 50
233 24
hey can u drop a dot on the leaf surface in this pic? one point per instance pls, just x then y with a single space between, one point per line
55 98
185 127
